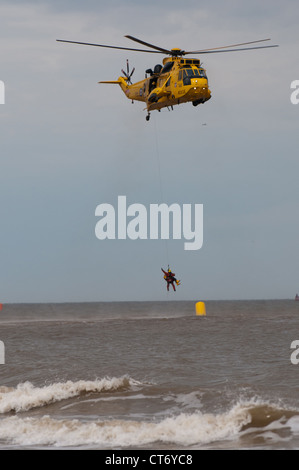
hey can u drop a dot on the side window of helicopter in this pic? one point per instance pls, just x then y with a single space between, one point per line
152 84
186 77
180 75
167 67
168 82
201 73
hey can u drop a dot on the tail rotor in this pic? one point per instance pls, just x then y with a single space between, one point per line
127 74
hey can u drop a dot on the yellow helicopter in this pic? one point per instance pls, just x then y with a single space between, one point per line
177 81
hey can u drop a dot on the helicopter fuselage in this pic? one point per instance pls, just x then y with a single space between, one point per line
177 81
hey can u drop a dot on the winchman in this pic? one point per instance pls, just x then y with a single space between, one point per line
169 277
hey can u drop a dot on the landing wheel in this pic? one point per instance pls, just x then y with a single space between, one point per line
148 117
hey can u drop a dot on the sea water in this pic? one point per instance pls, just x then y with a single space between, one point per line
149 375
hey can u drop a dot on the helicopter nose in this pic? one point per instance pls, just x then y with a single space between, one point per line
200 88
202 82
199 84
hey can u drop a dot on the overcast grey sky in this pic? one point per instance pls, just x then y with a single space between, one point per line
68 144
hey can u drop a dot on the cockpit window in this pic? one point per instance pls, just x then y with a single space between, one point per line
189 73
192 73
202 73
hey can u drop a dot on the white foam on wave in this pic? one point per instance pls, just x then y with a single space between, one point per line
293 422
190 400
26 396
184 429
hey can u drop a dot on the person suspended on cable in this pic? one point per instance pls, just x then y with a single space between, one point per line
170 278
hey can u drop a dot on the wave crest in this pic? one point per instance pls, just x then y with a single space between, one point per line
183 429
26 396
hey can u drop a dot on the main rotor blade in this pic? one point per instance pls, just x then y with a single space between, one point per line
225 47
209 51
110 47
165 51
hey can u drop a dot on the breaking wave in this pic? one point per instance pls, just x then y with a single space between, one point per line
183 429
195 429
26 396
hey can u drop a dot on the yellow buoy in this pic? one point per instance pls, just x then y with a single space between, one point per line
200 308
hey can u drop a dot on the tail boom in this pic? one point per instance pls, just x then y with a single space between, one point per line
133 92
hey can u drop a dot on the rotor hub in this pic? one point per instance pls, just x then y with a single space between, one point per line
177 52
